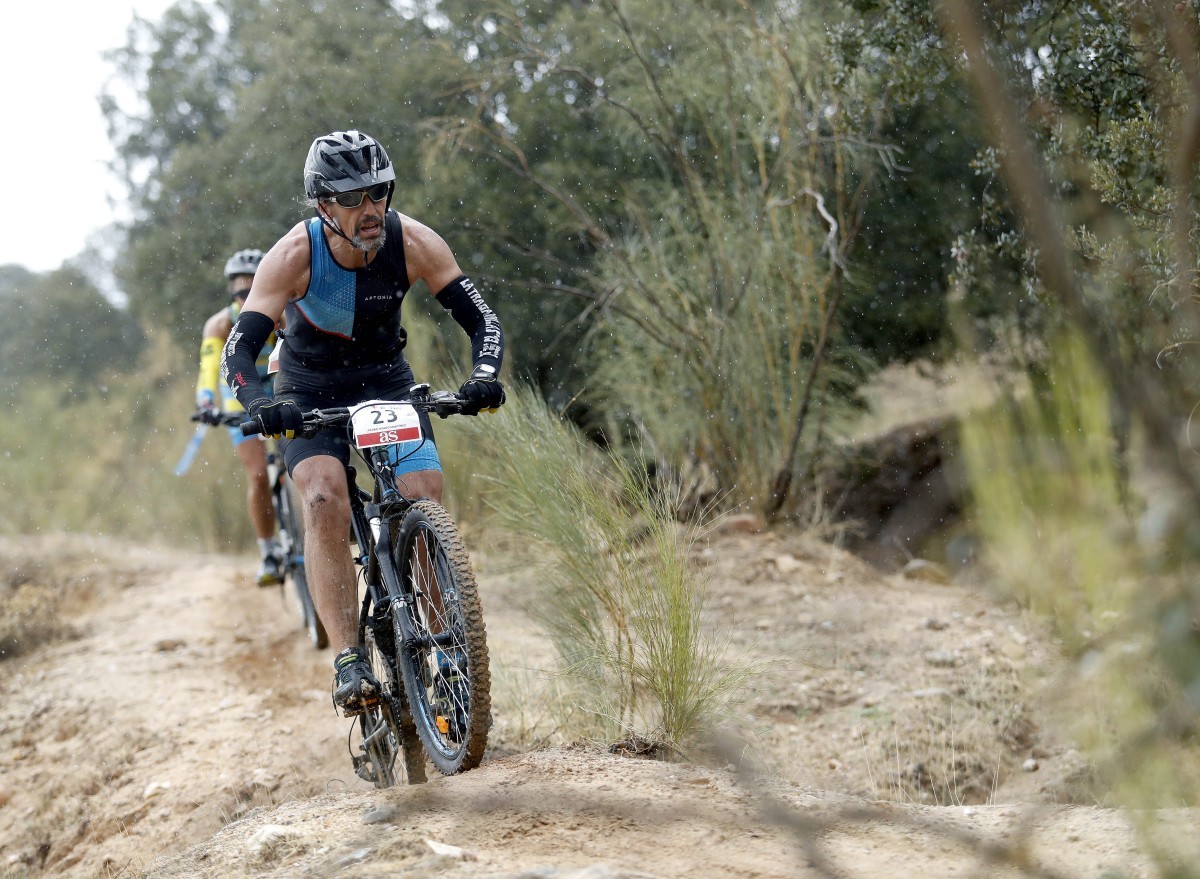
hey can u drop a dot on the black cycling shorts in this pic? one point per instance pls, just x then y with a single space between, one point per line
348 386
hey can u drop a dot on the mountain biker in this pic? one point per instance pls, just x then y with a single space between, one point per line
341 277
214 397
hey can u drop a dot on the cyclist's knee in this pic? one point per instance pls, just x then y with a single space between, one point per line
322 485
326 513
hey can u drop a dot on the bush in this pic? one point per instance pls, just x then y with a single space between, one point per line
618 597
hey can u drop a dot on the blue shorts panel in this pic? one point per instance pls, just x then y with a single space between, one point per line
412 456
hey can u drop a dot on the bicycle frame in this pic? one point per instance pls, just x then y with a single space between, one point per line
371 522
276 474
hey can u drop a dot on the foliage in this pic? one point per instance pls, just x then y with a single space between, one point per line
61 333
1053 454
1120 594
1124 597
103 464
721 219
203 191
619 599
900 278
13 278
1098 90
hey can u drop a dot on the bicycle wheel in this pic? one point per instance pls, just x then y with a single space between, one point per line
445 672
387 729
291 532
376 760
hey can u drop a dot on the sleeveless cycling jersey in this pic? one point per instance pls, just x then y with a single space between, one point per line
348 317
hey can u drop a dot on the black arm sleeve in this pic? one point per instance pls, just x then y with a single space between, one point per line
466 306
245 341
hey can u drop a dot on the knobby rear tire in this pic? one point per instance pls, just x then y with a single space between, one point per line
451 719
291 520
379 745
387 729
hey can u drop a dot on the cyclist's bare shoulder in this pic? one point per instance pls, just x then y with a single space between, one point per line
283 274
289 258
427 255
218 326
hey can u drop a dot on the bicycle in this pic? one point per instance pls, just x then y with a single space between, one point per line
421 619
289 525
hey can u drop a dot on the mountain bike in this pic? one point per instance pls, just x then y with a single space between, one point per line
289 533
421 620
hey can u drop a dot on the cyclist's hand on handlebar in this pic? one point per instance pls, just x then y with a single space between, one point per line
482 392
207 415
206 408
277 417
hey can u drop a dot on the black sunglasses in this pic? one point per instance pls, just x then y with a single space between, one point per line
378 192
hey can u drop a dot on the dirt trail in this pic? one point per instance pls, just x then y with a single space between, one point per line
185 730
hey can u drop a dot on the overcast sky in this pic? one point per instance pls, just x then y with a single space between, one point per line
51 72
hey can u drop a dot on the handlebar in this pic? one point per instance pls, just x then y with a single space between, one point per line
221 419
440 403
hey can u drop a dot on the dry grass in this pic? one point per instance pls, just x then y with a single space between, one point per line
104 465
40 586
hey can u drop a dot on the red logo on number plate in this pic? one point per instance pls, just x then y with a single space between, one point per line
387 437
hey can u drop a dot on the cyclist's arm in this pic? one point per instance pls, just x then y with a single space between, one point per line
430 260
281 277
216 330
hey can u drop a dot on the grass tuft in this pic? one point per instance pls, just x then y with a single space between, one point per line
618 598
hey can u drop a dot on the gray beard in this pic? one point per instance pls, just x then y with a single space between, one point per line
370 247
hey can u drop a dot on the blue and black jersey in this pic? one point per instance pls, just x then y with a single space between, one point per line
349 317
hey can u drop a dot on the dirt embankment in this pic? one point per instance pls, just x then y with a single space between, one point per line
167 719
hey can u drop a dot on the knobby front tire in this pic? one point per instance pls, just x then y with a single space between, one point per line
448 688
291 522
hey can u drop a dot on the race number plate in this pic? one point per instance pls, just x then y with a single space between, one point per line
379 423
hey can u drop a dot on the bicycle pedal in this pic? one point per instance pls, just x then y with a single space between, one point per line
362 708
443 724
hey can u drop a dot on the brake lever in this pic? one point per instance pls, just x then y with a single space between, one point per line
419 391
445 403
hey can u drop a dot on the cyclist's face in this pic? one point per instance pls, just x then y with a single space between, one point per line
362 224
239 287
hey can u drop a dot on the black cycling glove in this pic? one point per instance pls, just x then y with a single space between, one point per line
277 417
207 415
482 392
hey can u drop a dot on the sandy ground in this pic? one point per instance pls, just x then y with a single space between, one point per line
171 721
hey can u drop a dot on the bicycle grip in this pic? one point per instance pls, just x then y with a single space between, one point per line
251 427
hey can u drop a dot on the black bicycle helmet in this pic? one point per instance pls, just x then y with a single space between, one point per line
244 262
344 161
